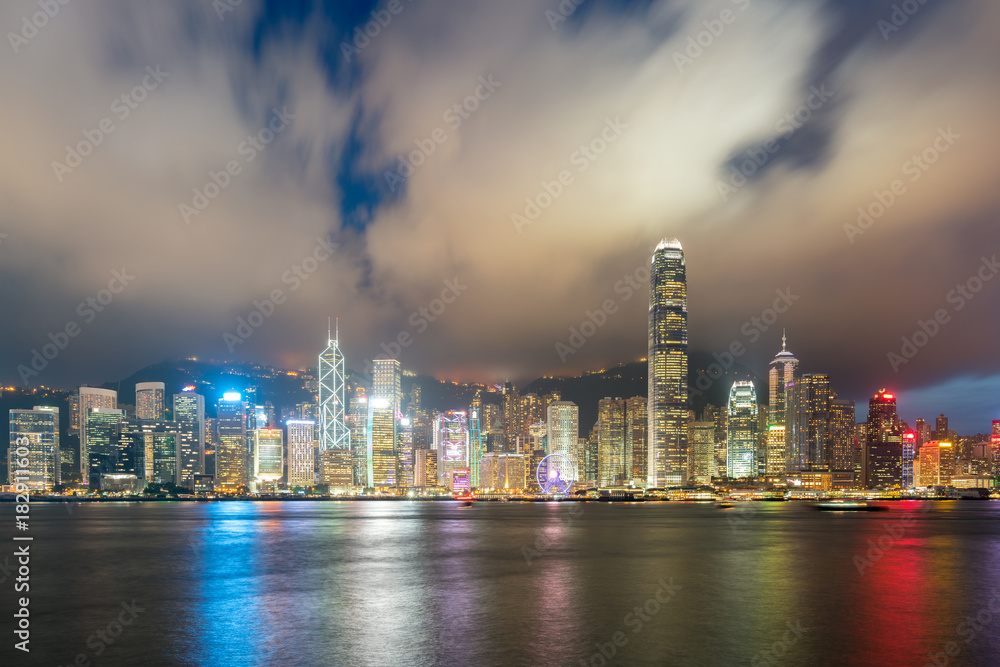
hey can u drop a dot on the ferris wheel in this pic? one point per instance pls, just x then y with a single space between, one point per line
555 474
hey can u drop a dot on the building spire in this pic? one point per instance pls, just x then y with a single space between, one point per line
784 340
328 336
338 331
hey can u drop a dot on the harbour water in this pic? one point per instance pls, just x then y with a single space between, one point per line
546 584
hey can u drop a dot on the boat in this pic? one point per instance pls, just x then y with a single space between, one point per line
725 503
465 500
848 506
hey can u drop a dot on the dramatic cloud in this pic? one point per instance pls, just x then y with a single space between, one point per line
504 171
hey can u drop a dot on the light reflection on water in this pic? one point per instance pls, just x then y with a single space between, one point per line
400 583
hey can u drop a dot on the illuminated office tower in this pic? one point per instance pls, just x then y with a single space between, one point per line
73 405
807 422
383 409
91 398
721 441
189 413
564 432
150 449
537 449
211 445
611 442
781 374
359 437
149 400
840 455
511 417
742 435
909 452
668 364
406 453
937 463
336 468
775 451
451 440
302 447
268 456
941 428
477 444
883 456
232 470
701 453
995 446
504 472
923 431
103 432
637 439
531 410
40 427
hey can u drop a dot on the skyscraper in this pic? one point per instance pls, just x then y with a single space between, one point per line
103 434
40 427
268 455
359 438
883 463
782 373
90 398
477 444
451 440
334 435
776 461
151 450
611 465
564 432
807 421
637 438
701 456
301 452
382 423
668 364
841 449
189 413
742 435
232 471
149 400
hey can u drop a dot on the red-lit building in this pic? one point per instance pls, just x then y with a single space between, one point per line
883 463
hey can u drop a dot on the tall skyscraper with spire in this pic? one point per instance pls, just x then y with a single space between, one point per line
782 372
668 366
334 435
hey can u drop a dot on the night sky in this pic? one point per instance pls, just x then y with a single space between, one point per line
253 136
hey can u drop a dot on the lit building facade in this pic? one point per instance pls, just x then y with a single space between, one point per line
336 461
612 467
189 413
268 455
383 415
564 431
883 460
780 375
504 472
150 449
668 366
807 422
91 398
742 432
40 427
302 448
103 432
149 400
775 450
231 454
451 441
637 439
701 454
842 441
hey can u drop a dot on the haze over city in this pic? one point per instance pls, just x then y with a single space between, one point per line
610 118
